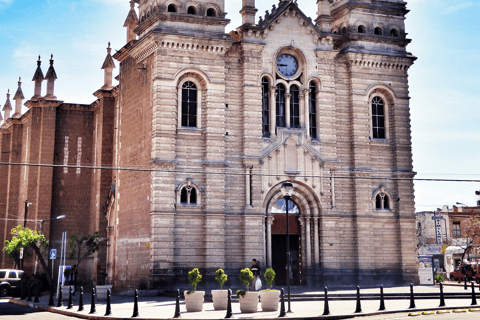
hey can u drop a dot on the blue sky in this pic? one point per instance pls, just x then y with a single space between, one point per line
444 81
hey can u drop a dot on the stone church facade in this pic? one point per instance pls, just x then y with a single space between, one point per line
204 127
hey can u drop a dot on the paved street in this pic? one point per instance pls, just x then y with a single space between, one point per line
9 311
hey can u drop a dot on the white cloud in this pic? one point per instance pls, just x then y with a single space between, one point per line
459 6
5 3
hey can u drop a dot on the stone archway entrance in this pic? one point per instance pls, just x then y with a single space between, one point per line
279 241
304 221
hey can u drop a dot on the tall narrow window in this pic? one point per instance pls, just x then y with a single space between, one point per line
382 201
378 118
280 106
189 104
265 108
184 196
313 110
294 107
193 196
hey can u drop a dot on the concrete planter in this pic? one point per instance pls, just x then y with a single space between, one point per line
270 300
249 302
220 299
194 301
101 291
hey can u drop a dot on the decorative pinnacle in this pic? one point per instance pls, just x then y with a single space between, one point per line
51 60
109 50
39 62
8 94
19 81
132 4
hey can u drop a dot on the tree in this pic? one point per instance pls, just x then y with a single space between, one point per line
471 233
27 238
81 248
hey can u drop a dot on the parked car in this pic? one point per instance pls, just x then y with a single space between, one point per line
10 281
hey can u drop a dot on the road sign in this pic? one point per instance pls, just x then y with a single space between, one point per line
437 218
53 254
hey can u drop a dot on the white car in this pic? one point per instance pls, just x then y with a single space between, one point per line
9 281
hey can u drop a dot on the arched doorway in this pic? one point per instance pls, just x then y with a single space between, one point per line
279 242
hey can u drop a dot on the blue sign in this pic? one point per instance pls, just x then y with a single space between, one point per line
53 254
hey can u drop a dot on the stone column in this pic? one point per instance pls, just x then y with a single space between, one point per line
287 109
305 102
268 223
316 244
273 110
308 242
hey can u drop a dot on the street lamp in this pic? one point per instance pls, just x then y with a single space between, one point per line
287 191
27 204
41 232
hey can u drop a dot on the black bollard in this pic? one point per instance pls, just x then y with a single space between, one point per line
229 305
93 309
60 298
23 294
109 307
80 303
382 300
326 307
442 298
135 305
50 300
70 298
29 296
465 283
359 307
37 292
282 304
412 298
177 305
474 298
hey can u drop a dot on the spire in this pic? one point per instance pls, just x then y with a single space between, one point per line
8 106
248 12
18 97
38 78
51 76
131 22
324 17
108 66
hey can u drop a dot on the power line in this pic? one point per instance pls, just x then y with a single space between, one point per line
326 174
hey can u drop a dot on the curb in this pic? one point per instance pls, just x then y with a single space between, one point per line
411 312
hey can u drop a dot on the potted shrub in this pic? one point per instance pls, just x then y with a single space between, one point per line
194 298
220 297
269 298
248 300
101 289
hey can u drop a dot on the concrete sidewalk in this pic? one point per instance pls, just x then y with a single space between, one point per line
164 307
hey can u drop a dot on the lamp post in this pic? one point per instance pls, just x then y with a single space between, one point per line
287 191
41 232
27 204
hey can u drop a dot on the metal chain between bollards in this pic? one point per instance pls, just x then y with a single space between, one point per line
229 305
358 309
108 311
135 305
412 298
282 304
80 303
326 307
93 309
70 299
382 300
442 297
177 305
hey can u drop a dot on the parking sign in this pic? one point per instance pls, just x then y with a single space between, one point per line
53 254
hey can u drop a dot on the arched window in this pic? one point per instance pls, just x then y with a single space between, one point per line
394 33
191 10
294 107
361 29
378 118
265 107
211 13
313 110
189 104
172 8
188 195
382 201
378 31
280 105
344 30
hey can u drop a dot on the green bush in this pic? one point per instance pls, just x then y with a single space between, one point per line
439 278
246 275
221 277
194 277
269 276
241 293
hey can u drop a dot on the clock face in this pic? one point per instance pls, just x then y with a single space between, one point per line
287 65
